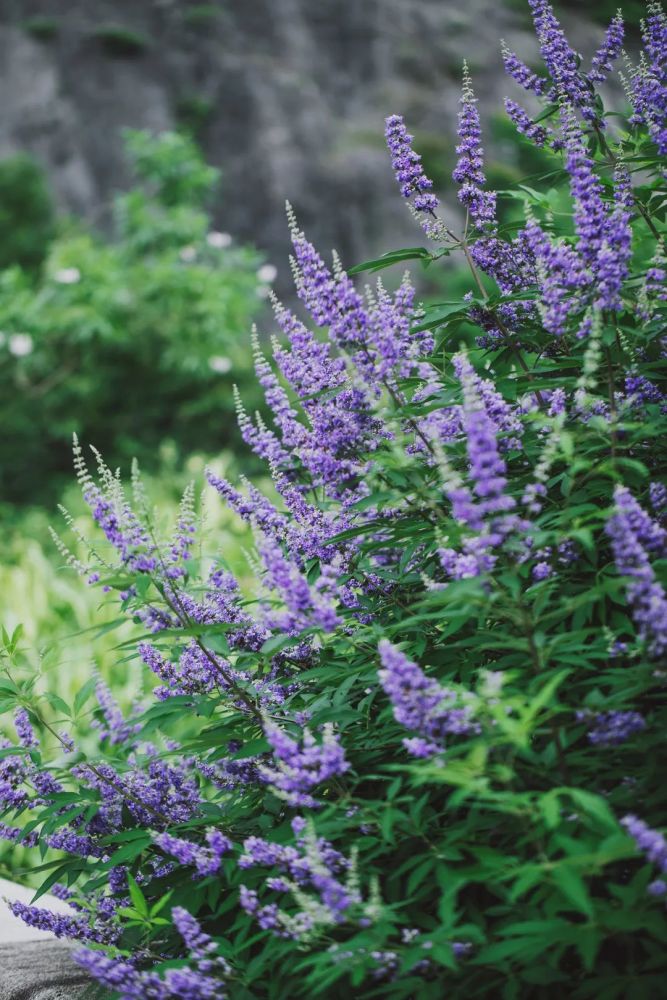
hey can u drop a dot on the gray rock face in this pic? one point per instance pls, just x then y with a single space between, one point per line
290 96
40 970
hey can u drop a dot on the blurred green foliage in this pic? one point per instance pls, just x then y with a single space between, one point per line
121 42
129 341
43 29
27 217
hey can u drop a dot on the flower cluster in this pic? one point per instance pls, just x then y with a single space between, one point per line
298 768
421 704
633 535
313 876
203 982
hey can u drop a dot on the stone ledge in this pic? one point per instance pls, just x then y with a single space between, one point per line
40 970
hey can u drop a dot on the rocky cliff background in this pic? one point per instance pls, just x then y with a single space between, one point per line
288 97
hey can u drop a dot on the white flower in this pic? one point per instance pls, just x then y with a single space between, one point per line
218 240
267 273
188 254
492 682
20 344
67 275
220 364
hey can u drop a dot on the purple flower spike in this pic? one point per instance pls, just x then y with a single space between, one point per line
524 123
561 60
300 767
206 860
522 74
468 172
630 537
420 703
24 729
650 842
611 728
609 51
415 185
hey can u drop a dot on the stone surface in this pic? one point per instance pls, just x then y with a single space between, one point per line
33 965
290 97
40 970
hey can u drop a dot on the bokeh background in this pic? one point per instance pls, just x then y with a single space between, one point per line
147 148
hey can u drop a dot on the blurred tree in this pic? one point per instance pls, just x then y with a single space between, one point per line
131 342
27 218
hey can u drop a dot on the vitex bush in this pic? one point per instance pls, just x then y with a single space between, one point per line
425 757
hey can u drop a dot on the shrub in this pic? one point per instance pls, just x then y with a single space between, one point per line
425 757
132 341
27 218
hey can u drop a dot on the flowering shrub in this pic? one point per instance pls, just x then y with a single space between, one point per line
423 758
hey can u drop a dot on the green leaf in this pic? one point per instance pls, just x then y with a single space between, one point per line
137 896
570 883
393 257
83 694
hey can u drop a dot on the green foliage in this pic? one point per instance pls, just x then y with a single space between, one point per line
194 112
200 14
121 42
27 219
129 342
42 28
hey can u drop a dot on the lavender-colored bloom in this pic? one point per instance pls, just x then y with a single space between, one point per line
561 275
331 300
305 604
74 928
647 83
24 729
613 258
524 124
115 728
16 836
315 865
649 842
469 173
609 51
407 166
541 571
420 703
487 468
417 746
115 973
206 860
180 547
612 728
648 532
658 497
640 391
521 73
185 983
73 843
561 60
647 598
300 767
153 791
197 671
199 944
590 214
